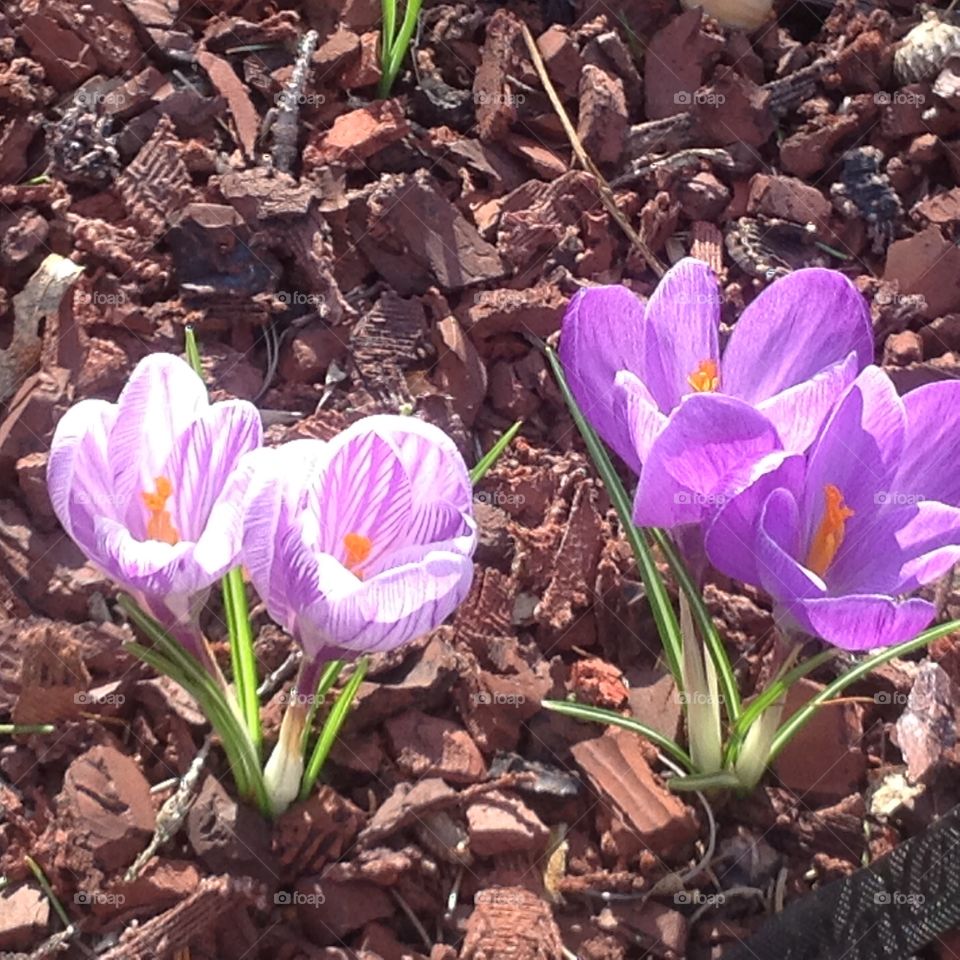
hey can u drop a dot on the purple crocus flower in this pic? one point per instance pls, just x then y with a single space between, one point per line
363 543
871 513
148 489
646 375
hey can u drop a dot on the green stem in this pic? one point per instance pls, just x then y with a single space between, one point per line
798 719
392 60
14 729
48 890
389 31
663 614
768 697
583 711
169 658
494 454
242 654
704 622
331 729
721 780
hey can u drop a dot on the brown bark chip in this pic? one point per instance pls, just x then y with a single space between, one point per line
500 823
357 136
929 265
429 746
331 910
495 104
825 759
511 923
107 800
228 84
24 913
603 114
618 770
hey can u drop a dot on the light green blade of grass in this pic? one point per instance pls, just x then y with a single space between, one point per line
831 690
584 711
331 728
486 462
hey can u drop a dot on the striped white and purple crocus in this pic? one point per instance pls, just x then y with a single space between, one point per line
356 546
650 376
148 488
838 536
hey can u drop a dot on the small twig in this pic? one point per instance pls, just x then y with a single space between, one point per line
50 895
284 129
273 681
606 194
173 812
414 919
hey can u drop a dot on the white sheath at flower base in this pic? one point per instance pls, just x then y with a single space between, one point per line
284 769
741 14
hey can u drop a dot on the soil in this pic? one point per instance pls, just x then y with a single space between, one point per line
412 258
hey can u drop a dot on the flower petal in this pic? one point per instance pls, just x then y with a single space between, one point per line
798 412
431 459
858 450
153 568
160 400
392 608
203 458
732 534
643 417
683 322
931 455
602 334
77 471
799 325
275 505
364 490
778 543
710 450
896 549
862 622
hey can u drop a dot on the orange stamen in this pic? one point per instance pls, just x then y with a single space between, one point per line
358 548
160 524
826 541
706 378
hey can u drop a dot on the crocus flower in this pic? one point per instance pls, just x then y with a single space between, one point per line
869 514
355 546
643 372
148 489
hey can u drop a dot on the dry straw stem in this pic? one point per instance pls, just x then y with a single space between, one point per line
606 194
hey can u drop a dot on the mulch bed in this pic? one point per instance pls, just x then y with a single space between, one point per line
414 257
